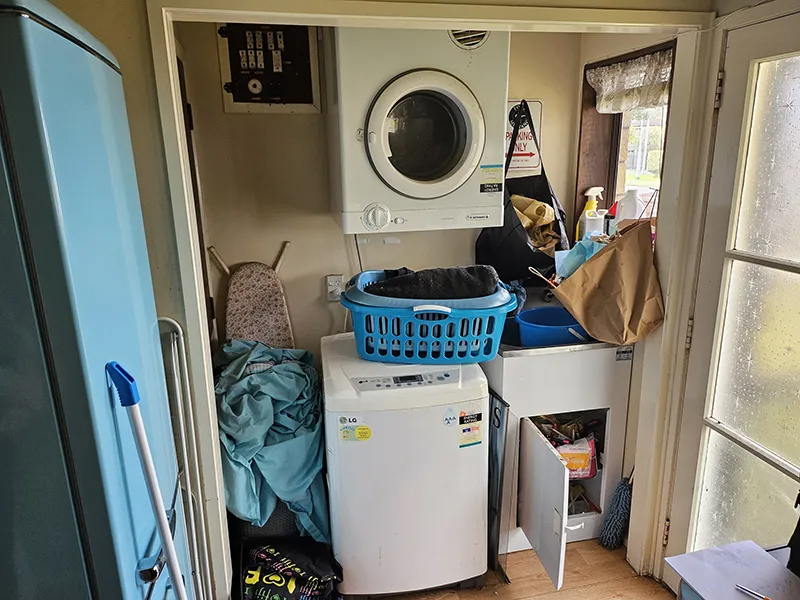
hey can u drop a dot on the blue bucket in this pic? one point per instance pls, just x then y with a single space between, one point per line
548 326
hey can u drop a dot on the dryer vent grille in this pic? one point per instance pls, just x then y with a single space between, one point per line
468 39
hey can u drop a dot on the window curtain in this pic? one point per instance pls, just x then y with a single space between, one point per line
639 83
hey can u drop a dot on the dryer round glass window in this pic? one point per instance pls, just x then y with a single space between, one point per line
425 134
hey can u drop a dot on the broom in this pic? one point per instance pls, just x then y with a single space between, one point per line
615 525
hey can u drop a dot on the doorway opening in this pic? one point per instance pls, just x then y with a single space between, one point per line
163 22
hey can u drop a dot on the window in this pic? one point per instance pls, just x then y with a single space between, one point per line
623 126
641 154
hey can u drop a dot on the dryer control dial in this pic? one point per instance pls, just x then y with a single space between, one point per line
375 217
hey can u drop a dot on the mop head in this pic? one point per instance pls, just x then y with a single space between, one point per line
615 525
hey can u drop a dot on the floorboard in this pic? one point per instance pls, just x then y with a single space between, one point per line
590 573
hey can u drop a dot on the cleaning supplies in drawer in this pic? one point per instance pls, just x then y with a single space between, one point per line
574 441
580 457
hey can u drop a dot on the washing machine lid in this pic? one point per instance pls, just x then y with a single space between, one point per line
425 134
353 384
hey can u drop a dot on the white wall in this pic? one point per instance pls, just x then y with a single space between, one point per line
726 7
262 182
599 46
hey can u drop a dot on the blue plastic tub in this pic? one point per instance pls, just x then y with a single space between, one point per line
548 326
439 332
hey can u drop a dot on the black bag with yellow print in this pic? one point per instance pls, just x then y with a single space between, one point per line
290 569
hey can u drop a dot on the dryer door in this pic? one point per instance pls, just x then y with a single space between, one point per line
425 134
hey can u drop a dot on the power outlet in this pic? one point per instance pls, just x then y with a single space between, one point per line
333 287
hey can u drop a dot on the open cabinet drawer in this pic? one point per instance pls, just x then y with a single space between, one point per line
543 499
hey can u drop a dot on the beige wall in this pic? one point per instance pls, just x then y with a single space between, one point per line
122 26
263 183
545 66
318 246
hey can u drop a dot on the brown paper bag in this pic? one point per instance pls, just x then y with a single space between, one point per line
615 295
539 220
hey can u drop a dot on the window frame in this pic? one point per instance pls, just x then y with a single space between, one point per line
600 135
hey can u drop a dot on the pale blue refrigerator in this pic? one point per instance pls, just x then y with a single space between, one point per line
76 293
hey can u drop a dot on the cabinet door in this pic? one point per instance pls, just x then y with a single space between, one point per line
543 495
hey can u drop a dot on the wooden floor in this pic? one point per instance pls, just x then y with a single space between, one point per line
591 573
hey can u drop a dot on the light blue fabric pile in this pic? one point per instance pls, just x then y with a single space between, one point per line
569 261
270 428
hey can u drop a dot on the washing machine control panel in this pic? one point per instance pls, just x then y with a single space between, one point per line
429 378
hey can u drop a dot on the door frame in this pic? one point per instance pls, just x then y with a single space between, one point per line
685 425
674 248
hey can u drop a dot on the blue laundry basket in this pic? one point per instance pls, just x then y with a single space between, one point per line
433 332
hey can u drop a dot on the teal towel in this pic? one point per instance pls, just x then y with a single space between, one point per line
270 428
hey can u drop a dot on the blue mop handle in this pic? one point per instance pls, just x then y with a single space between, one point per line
125 384
129 398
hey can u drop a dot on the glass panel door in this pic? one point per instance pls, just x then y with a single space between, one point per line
772 171
737 466
751 453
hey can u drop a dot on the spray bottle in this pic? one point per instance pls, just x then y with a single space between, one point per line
592 195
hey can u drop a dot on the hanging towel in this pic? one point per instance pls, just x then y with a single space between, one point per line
270 429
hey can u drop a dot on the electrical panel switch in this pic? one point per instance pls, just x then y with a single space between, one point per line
269 68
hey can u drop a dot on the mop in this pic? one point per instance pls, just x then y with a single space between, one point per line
615 525
128 394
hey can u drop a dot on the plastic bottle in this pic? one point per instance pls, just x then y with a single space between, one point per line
592 195
630 207
595 220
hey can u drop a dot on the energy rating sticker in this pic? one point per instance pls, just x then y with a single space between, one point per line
469 424
353 429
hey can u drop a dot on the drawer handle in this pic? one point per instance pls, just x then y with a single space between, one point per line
574 527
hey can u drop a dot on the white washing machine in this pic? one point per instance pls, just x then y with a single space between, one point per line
417 125
407 455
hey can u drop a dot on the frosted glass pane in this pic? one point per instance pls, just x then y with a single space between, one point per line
758 380
769 214
743 498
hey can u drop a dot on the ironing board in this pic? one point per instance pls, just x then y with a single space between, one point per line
256 307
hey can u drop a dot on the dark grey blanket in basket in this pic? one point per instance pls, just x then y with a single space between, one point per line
437 284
